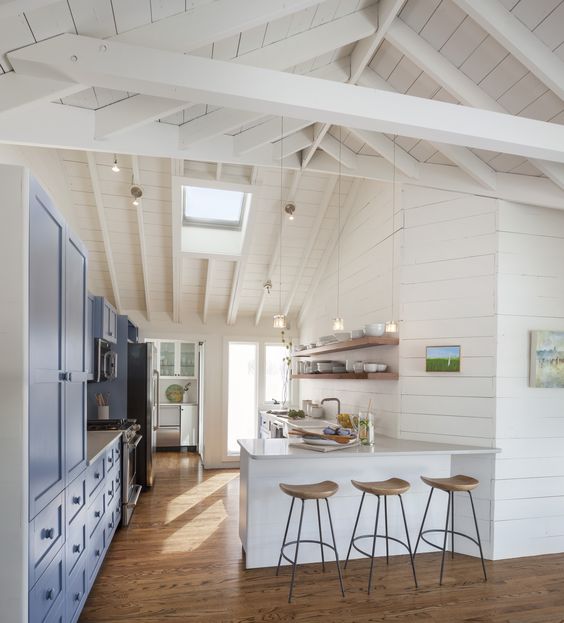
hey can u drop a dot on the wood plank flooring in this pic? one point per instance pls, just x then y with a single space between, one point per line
181 560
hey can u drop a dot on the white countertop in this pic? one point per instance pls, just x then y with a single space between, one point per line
384 446
97 441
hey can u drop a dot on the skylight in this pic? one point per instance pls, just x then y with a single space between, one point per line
214 208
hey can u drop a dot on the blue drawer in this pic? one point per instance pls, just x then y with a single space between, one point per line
110 459
95 512
48 593
46 537
76 542
95 554
77 590
95 476
110 490
76 497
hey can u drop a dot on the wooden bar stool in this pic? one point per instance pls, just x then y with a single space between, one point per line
451 486
385 488
318 491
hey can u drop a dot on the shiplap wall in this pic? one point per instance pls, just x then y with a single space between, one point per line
365 296
529 485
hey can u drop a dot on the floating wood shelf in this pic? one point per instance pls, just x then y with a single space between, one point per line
339 347
352 376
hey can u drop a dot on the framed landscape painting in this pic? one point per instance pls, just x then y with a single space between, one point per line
443 359
547 359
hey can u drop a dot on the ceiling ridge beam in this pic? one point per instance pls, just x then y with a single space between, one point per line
101 211
330 248
142 241
275 256
361 56
312 239
517 39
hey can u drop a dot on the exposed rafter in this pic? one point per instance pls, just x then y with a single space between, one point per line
142 241
101 211
294 143
525 46
339 152
218 169
207 291
330 248
312 238
19 91
360 58
265 133
176 170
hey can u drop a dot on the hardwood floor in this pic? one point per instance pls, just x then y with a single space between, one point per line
180 560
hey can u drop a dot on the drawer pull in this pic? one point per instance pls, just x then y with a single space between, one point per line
77 596
110 492
49 593
48 533
76 499
97 475
76 549
110 525
110 460
97 553
97 513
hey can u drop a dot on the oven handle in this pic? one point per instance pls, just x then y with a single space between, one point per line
135 442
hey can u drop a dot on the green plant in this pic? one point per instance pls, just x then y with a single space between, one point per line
287 365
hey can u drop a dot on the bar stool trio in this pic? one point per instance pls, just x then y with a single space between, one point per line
383 490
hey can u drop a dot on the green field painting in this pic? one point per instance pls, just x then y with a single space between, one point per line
443 359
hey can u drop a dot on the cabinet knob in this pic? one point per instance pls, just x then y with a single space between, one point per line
97 475
49 593
76 499
110 492
110 460
110 525
48 533
97 552
97 513
77 596
76 549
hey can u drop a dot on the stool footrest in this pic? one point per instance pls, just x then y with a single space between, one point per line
378 536
442 531
303 541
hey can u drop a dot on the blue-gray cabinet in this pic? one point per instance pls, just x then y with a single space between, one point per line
105 320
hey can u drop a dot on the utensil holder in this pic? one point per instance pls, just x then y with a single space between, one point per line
104 412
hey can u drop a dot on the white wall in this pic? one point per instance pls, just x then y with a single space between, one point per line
529 485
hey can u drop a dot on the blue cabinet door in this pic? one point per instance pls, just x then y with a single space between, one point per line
75 357
46 356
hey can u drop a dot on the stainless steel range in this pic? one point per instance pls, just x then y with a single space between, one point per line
130 439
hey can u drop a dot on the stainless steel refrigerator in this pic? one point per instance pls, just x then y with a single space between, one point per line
143 405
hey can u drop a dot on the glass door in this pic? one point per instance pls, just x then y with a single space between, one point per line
167 351
187 359
242 418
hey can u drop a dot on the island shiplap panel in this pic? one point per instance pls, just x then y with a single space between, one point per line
529 487
448 297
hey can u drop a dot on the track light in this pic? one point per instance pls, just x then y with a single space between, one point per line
115 168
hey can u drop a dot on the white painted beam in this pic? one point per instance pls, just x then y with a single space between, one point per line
525 46
282 55
15 7
176 170
207 291
341 153
132 113
101 212
218 168
293 143
266 132
383 145
470 163
311 240
20 91
142 241
319 133
329 249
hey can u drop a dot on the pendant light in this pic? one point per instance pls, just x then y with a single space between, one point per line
338 322
279 320
391 325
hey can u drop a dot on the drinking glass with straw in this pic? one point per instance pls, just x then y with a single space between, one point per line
366 426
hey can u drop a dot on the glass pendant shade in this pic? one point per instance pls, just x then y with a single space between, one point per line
391 326
279 321
338 324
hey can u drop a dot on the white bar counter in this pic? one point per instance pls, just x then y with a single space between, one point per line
263 507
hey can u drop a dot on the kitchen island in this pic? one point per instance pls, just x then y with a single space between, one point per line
263 507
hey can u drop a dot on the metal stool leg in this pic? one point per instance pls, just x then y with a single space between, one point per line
296 556
320 536
408 541
452 526
445 540
373 546
386 527
335 546
478 535
285 535
354 529
423 522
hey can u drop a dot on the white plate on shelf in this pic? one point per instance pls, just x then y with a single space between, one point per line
319 441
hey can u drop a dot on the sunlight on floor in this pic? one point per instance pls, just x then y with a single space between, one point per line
196 531
185 501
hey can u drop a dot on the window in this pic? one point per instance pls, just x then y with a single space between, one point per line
211 207
275 370
242 416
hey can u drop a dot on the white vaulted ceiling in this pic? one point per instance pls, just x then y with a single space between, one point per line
457 51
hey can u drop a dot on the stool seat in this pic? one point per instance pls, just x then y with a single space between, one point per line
315 491
455 483
392 486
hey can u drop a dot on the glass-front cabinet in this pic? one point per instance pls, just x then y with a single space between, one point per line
177 359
